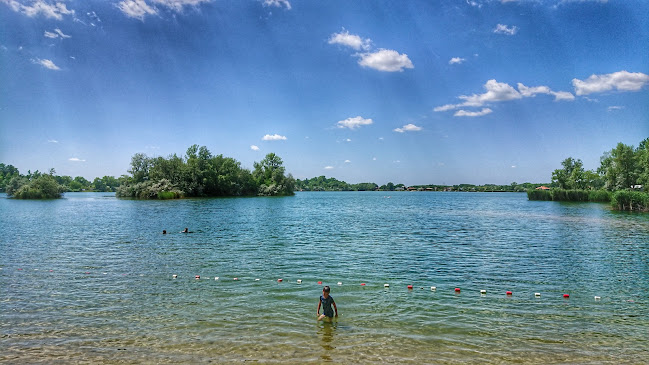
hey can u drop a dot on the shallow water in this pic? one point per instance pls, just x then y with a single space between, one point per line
89 279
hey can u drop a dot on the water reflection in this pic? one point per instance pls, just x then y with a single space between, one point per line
326 332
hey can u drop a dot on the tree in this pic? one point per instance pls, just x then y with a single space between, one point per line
571 176
269 175
140 165
642 163
619 168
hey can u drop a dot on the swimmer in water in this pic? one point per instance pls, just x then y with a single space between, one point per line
326 301
186 231
164 231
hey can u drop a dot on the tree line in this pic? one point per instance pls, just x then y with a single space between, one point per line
200 174
622 178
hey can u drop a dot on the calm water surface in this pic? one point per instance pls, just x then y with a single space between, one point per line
89 279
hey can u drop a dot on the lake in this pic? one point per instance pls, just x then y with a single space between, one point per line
90 279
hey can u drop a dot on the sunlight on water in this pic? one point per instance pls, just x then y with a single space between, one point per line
89 278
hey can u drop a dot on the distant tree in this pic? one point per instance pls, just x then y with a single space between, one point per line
571 176
140 165
642 163
269 174
42 187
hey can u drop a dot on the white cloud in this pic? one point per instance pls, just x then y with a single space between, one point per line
274 137
621 81
56 34
532 91
615 107
74 159
254 148
513 166
496 91
386 60
464 113
347 161
278 3
353 123
350 40
455 60
46 63
52 141
348 140
445 108
373 158
328 167
55 11
136 8
562 95
503 29
408 128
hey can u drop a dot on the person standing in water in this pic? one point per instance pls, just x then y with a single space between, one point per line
326 301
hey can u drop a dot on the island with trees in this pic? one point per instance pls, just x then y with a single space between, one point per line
621 179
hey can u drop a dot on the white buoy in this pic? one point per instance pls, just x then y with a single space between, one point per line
175 276
597 298
537 294
216 278
256 279
386 285
299 281
433 288
340 283
483 292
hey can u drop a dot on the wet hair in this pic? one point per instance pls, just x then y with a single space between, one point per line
326 289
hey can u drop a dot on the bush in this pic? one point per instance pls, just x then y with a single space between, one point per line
533 194
162 189
43 187
602 196
630 200
569 195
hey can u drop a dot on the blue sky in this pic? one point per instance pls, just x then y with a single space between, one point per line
413 92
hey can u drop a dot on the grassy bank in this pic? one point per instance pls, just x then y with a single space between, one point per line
620 200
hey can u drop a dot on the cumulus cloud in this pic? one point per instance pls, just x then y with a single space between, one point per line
278 3
503 29
620 81
75 159
328 167
498 92
46 63
353 123
464 113
56 34
254 148
350 40
386 60
55 11
408 128
347 161
274 137
455 60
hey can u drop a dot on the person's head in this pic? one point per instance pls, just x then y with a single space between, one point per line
164 231
186 230
326 290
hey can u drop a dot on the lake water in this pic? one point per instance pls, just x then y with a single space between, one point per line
89 279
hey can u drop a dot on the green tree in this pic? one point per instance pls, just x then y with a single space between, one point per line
140 165
269 175
571 176
618 167
642 163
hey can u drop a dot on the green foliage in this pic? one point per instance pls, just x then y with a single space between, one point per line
601 196
7 172
618 166
569 195
630 200
533 194
42 187
200 173
571 176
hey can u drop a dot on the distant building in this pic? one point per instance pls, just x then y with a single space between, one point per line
542 188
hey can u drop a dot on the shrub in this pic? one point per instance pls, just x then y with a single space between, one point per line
533 194
43 187
602 196
630 200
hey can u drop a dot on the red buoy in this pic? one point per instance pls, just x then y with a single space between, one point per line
320 282
279 280
197 276
362 284
457 290
509 293
566 295
410 287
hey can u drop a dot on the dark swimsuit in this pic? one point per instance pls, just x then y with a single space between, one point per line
326 306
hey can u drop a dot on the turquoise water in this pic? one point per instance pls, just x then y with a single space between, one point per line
89 279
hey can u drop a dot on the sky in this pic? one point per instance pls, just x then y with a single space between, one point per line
413 92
